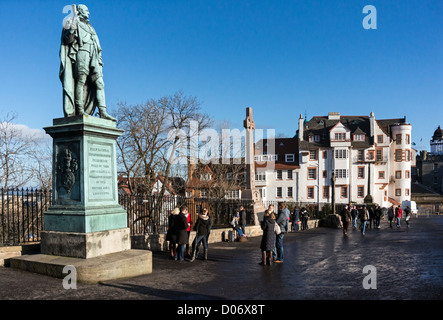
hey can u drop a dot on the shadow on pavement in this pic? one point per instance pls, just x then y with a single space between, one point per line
161 294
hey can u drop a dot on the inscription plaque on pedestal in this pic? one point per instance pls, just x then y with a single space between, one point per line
101 181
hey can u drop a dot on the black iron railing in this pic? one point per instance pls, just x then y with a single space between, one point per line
22 211
21 214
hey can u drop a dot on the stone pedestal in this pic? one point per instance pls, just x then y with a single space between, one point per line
258 206
85 220
85 245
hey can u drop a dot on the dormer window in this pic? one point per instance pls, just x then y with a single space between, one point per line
359 137
205 176
314 138
290 157
340 136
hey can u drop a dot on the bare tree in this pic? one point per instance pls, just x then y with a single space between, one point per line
153 133
16 149
229 171
42 162
186 120
141 144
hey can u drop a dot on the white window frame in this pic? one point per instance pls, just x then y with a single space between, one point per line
289 157
341 154
341 173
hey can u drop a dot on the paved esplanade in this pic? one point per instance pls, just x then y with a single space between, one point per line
319 264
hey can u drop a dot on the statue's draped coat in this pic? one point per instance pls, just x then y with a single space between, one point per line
70 43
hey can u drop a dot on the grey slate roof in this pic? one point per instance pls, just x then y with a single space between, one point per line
321 126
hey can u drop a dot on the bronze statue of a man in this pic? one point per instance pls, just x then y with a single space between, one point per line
81 68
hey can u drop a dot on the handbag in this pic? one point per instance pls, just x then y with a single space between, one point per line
277 229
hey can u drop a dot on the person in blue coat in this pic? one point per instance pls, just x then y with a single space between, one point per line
283 222
295 218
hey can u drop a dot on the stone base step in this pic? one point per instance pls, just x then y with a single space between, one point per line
124 264
7 252
5 256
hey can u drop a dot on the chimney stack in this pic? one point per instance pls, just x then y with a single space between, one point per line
300 128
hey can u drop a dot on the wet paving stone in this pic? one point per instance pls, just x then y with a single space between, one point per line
320 264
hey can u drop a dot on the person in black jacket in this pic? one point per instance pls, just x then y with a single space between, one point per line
243 219
171 235
182 234
346 217
304 216
354 215
268 239
203 229
377 216
371 217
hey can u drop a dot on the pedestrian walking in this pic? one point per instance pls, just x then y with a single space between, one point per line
188 230
354 215
377 216
364 217
171 234
295 219
301 216
202 230
398 213
346 217
267 243
407 215
182 233
391 215
370 217
283 222
243 219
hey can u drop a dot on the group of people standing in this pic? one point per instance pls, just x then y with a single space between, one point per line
274 226
397 213
179 230
299 219
370 217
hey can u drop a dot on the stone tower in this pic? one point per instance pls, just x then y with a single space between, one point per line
251 193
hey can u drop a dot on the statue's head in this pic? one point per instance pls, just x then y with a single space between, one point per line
83 11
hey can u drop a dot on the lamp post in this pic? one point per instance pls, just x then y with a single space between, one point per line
318 189
333 191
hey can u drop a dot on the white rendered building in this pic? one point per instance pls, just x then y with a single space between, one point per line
367 157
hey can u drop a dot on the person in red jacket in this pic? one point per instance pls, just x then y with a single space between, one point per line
398 213
188 217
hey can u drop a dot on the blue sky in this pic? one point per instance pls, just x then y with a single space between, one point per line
283 58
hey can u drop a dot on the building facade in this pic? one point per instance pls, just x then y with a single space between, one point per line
277 169
370 160
429 170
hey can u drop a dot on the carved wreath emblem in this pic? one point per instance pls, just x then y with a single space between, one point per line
67 166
